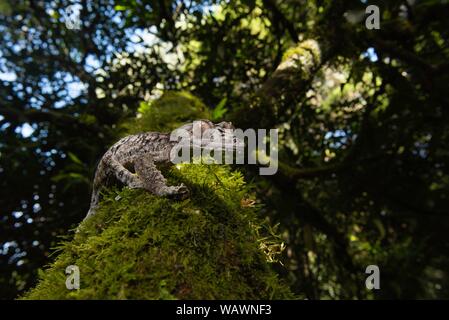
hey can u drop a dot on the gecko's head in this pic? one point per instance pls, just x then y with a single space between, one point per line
206 134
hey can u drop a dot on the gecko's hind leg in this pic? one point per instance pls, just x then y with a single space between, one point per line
125 176
155 182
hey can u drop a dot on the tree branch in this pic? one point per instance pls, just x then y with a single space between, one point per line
279 16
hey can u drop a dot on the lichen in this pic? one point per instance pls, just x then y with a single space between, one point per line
139 246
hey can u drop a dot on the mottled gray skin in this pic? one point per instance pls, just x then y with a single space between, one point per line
132 162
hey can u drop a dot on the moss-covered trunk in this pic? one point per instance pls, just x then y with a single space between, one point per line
139 246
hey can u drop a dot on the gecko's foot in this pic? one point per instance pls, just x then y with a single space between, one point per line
136 185
180 192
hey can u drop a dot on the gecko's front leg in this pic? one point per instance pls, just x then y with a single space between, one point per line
154 181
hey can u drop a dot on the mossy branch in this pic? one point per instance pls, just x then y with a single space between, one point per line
140 246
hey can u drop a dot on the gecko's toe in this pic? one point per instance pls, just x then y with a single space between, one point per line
181 193
183 190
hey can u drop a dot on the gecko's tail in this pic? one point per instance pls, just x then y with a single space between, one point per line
93 206
93 203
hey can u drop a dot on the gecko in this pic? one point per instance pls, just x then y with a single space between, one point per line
132 160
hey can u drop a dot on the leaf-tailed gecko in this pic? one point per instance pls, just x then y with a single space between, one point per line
132 161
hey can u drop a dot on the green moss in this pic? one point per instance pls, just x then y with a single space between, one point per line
139 246
304 54
167 113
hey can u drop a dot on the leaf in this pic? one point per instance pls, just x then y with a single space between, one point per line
220 109
74 158
72 176
381 228
5 8
120 8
